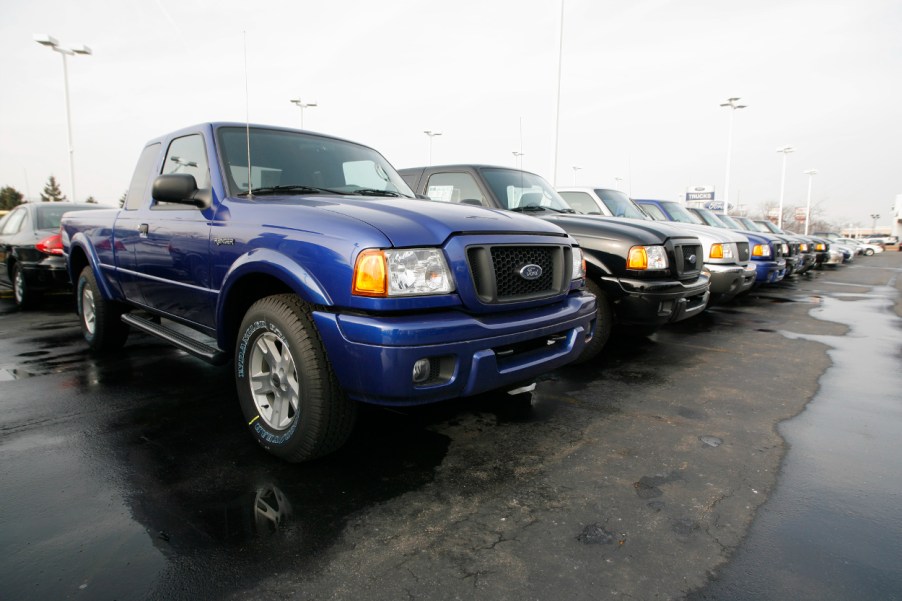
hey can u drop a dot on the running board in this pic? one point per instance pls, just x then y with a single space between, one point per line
194 347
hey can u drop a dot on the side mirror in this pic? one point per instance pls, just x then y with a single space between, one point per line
179 188
422 197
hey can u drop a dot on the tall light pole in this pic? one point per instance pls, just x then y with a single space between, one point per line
618 180
51 42
302 105
785 150
810 173
430 134
518 159
874 218
557 101
733 104
575 169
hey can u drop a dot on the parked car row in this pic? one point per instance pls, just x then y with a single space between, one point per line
734 254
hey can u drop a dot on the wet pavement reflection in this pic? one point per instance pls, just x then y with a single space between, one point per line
832 529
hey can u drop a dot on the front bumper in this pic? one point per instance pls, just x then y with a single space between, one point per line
655 303
769 272
373 356
729 280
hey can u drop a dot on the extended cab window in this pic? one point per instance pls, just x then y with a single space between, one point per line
454 187
137 189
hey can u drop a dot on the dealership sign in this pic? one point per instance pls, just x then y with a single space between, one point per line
697 193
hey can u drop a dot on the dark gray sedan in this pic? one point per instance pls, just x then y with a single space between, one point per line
31 252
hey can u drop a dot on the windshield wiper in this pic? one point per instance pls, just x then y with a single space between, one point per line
529 209
293 189
374 192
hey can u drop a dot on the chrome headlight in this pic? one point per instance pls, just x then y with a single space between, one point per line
761 250
579 264
721 251
647 257
402 272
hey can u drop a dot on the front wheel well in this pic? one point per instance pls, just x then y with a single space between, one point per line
244 293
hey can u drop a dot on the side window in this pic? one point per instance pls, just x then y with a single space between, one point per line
581 203
137 189
187 155
454 187
14 222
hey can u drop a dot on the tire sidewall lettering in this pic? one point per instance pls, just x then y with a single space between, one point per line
251 334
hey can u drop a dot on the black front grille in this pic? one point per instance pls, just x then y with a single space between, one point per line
499 274
688 259
743 251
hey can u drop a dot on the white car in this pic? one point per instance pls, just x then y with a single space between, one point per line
862 247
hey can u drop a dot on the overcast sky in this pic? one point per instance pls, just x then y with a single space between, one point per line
641 85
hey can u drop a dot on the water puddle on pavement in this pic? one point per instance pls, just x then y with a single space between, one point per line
832 529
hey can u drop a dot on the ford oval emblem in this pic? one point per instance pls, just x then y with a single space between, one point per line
691 259
530 272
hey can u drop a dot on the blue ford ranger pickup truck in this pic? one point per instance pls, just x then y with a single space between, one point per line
307 261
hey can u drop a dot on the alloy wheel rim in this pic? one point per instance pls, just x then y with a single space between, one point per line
89 313
273 380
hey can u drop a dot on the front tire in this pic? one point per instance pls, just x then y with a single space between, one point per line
869 252
101 320
290 397
604 321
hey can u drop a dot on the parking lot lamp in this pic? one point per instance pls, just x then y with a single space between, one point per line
518 159
874 218
785 150
302 105
430 134
51 42
575 169
733 104
810 173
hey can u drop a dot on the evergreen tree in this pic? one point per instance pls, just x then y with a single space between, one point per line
91 200
10 197
122 199
52 192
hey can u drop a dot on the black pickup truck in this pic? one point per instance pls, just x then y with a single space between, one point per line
643 274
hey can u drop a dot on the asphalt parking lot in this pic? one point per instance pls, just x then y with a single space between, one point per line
660 471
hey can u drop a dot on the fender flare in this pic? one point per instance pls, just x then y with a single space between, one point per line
81 242
263 261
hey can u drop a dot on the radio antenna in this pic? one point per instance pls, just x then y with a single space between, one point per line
247 123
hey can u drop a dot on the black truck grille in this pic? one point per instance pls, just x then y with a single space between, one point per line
688 259
513 273
743 251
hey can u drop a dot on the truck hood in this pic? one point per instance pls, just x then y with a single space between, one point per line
408 222
711 233
635 231
411 222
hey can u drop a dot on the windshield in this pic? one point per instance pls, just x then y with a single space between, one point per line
750 225
679 213
730 222
709 217
523 191
767 225
287 162
620 205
